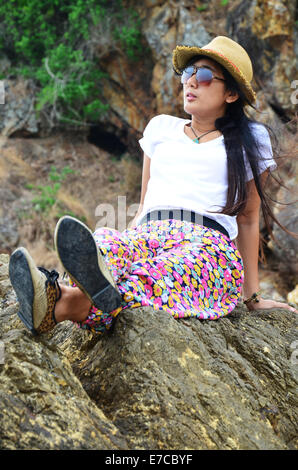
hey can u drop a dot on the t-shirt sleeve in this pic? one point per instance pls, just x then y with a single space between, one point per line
150 136
266 155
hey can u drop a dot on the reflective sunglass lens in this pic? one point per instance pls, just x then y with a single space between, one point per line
203 76
187 73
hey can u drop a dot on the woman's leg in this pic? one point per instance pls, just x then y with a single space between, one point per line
119 250
73 305
182 268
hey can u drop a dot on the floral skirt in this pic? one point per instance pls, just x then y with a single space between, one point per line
180 267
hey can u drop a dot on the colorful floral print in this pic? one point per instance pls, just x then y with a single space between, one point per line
183 268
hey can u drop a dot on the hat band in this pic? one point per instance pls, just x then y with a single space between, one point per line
224 57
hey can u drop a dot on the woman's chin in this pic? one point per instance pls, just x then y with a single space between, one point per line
190 108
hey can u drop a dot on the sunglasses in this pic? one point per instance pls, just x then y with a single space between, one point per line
204 76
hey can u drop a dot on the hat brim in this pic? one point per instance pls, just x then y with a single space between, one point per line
183 54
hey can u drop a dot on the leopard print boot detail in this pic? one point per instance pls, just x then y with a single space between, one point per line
49 321
53 293
37 291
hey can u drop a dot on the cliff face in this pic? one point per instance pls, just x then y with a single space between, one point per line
154 383
265 29
137 90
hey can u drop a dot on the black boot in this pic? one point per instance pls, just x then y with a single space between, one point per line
37 291
84 263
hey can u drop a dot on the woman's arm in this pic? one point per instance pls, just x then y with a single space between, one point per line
145 179
248 244
248 238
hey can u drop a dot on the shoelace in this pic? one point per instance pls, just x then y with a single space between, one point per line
52 279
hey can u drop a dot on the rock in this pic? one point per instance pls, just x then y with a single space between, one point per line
153 383
285 248
9 235
272 285
5 64
293 296
196 385
17 114
170 24
265 29
43 404
135 97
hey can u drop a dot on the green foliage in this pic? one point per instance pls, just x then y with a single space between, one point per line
74 83
52 42
202 7
129 35
47 195
55 176
224 2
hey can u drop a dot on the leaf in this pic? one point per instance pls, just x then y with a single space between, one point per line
202 7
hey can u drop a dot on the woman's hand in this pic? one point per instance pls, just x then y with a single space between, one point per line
269 304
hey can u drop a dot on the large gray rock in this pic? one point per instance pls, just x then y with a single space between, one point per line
17 114
42 403
285 246
265 30
154 383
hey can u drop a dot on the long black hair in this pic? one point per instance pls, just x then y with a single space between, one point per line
239 137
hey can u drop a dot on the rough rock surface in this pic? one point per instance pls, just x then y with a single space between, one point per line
18 114
43 404
287 252
265 28
154 383
267 31
286 248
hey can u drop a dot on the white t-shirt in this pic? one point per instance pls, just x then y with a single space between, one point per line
187 175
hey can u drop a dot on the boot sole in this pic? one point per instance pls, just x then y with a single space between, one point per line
82 260
21 280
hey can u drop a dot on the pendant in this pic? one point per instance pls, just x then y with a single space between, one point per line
196 140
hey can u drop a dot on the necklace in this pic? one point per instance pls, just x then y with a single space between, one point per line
197 139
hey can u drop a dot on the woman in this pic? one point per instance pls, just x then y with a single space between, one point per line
192 249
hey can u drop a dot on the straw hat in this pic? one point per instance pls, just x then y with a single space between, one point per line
226 52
